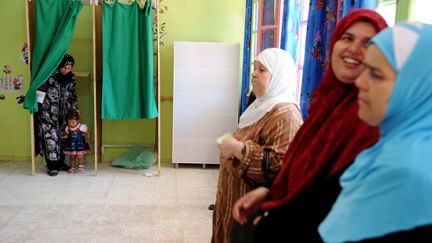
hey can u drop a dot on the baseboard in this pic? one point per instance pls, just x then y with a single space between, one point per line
18 158
89 158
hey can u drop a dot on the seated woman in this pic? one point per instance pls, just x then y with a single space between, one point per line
387 192
270 123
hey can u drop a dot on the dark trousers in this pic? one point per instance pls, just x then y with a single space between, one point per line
56 164
284 225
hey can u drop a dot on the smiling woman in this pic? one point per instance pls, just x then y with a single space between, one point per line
349 50
386 193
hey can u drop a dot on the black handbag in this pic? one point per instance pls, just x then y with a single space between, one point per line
265 164
265 167
244 233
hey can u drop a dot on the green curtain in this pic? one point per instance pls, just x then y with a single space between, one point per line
55 23
128 88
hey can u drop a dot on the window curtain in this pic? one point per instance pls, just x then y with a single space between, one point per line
291 19
128 87
347 6
55 23
321 23
246 57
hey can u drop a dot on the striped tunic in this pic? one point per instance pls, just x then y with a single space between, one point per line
275 131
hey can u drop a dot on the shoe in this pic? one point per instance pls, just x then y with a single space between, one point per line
52 172
81 168
65 167
211 207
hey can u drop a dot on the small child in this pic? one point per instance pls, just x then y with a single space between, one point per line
77 135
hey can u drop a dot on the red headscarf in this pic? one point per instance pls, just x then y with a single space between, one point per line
332 134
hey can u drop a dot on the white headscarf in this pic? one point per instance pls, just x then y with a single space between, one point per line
282 88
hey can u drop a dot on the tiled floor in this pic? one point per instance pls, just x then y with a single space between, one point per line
118 205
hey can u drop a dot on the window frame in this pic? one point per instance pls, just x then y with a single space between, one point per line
275 27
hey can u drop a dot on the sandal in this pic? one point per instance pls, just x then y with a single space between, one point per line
71 170
81 168
52 172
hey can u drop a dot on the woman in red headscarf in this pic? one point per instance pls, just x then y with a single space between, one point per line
329 140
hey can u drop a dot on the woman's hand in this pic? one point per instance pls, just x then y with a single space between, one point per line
248 204
231 147
20 99
88 137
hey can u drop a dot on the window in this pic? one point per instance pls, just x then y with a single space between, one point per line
387 9
302 44
268 24
422 11
266 28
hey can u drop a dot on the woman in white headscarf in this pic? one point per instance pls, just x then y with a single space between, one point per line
387 192
269 123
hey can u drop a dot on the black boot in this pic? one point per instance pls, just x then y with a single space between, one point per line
52 167
62 165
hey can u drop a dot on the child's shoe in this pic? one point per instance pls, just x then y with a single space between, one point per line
81 168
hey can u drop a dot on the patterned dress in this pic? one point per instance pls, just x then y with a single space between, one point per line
274 131
76 143
60 99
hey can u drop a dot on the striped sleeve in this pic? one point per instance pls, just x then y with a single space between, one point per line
276 133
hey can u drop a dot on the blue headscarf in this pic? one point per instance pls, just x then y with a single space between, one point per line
388 188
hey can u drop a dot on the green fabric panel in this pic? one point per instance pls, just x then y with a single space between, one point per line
136 157
55 23
128 89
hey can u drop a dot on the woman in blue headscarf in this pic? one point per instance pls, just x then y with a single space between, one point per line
387 192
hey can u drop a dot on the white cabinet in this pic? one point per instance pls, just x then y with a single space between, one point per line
205 99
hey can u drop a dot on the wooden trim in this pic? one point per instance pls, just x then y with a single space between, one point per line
275 26
167 98
32 138
95 100
82 74
338 11
259 31
278 22
269 27
158 125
